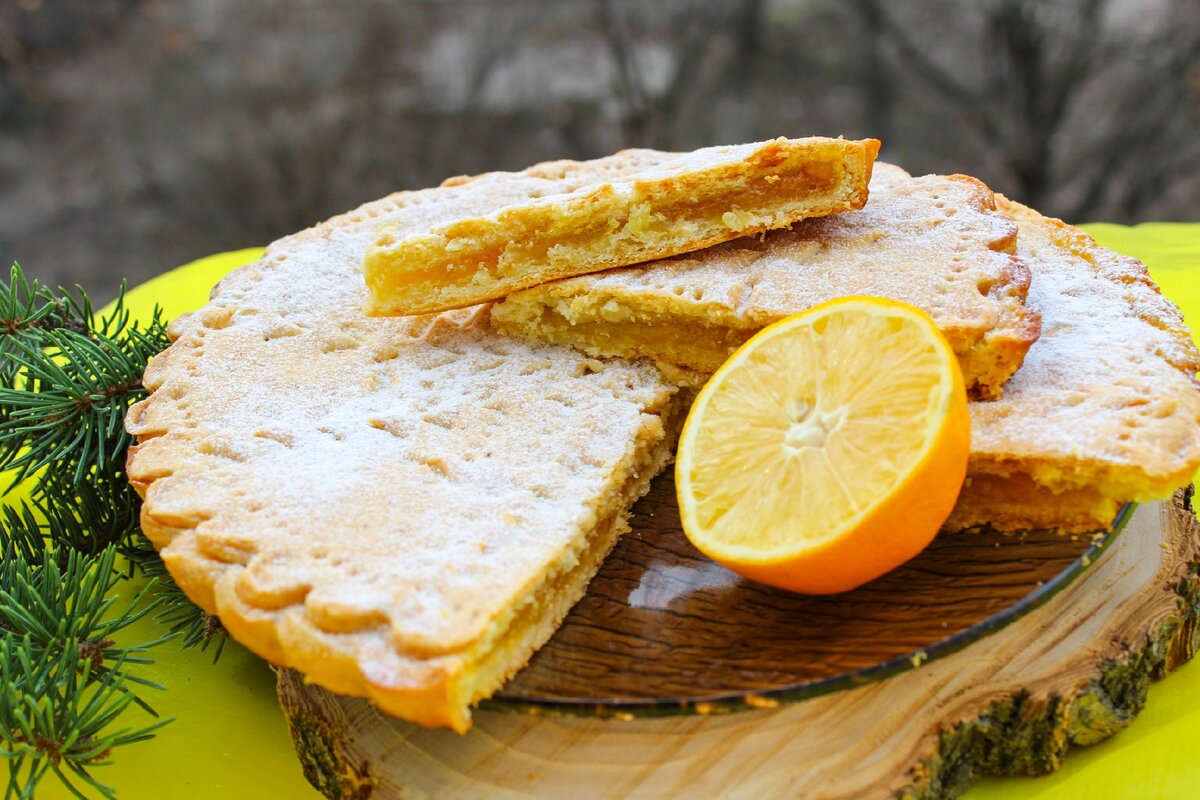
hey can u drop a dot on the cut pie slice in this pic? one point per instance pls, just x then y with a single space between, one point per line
1105 409
401 508
629 208
934 242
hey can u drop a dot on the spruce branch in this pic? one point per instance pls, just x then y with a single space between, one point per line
68 378
65 517
22 534
65 678
68 672
101 511
183 618
52 604
56 716
84 386
27 307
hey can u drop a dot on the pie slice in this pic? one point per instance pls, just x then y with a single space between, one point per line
935 242
1105 409
401 508
632 207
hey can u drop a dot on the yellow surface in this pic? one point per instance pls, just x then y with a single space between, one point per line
229 740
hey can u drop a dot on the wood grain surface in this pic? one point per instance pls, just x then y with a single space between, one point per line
1070 672
660 621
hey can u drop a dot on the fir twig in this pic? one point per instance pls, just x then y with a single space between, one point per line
67 379
85 384
23 535
26 308
87 517
53 600
56 716
65 679
182 617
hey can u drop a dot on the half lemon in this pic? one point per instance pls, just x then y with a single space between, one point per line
828 449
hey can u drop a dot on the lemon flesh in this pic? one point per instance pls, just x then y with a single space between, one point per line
805 429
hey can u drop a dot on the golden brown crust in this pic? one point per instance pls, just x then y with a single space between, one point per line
936 242
1105 409
369 500
645 205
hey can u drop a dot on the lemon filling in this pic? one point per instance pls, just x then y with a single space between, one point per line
616 232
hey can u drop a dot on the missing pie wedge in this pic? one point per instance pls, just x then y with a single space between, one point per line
628 208
401 508
935 242
1106 408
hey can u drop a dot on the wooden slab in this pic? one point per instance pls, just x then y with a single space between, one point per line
661 624
1071 671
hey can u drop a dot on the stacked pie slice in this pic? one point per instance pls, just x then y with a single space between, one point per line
1102 410
633 207
935 242
405 507
1105 409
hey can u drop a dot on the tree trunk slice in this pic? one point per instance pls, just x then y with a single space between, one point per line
1073 671
662 626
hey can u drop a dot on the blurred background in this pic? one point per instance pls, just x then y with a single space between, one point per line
136 135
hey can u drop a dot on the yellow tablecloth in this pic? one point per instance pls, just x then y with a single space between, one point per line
229 740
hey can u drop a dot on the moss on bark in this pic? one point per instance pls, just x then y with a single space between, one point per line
325 765
1026 736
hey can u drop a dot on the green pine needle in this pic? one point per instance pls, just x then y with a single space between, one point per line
89 516
84 386
68 674
70 378
57 599
180 615
56 716
64 678
22 535
26 308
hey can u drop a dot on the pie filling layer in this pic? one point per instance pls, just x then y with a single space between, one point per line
519 630
605 231
1016 502
603 327
613 331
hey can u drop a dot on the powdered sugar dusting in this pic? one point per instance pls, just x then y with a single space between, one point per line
414 473
1109 385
